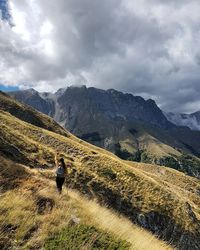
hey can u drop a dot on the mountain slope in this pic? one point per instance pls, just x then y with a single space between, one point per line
187 120
164 201
127 125
34 216
113 104
28 114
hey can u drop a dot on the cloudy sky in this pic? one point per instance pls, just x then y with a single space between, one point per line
147 47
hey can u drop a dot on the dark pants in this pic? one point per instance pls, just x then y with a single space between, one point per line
59 182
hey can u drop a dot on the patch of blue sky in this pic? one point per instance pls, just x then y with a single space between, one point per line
4 10
8 88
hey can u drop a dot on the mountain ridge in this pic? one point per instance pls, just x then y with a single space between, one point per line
127 125
105 95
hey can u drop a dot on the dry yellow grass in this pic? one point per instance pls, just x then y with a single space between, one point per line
118 225
31 227
155 148
184 187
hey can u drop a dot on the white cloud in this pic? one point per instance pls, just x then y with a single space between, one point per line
147 47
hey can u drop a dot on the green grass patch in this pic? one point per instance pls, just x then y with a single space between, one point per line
84 237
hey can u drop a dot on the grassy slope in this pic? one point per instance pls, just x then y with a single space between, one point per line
153 200
33 216
153 146
155 142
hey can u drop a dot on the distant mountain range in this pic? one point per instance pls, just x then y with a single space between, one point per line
187 120
127 125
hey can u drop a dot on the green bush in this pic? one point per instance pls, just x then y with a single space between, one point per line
108 173
146 158
125 155
184 163
170 162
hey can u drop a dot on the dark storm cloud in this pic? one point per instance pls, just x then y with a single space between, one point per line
150 48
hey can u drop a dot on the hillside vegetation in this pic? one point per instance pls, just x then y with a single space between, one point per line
132 128
162 200
34 216
149 145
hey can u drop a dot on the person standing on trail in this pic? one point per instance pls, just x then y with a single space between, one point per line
61 172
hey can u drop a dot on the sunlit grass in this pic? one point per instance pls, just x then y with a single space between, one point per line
19 210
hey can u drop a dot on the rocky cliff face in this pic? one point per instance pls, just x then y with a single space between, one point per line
70 105
111 104
101 117
34 99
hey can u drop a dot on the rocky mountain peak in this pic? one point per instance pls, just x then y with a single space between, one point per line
108 104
